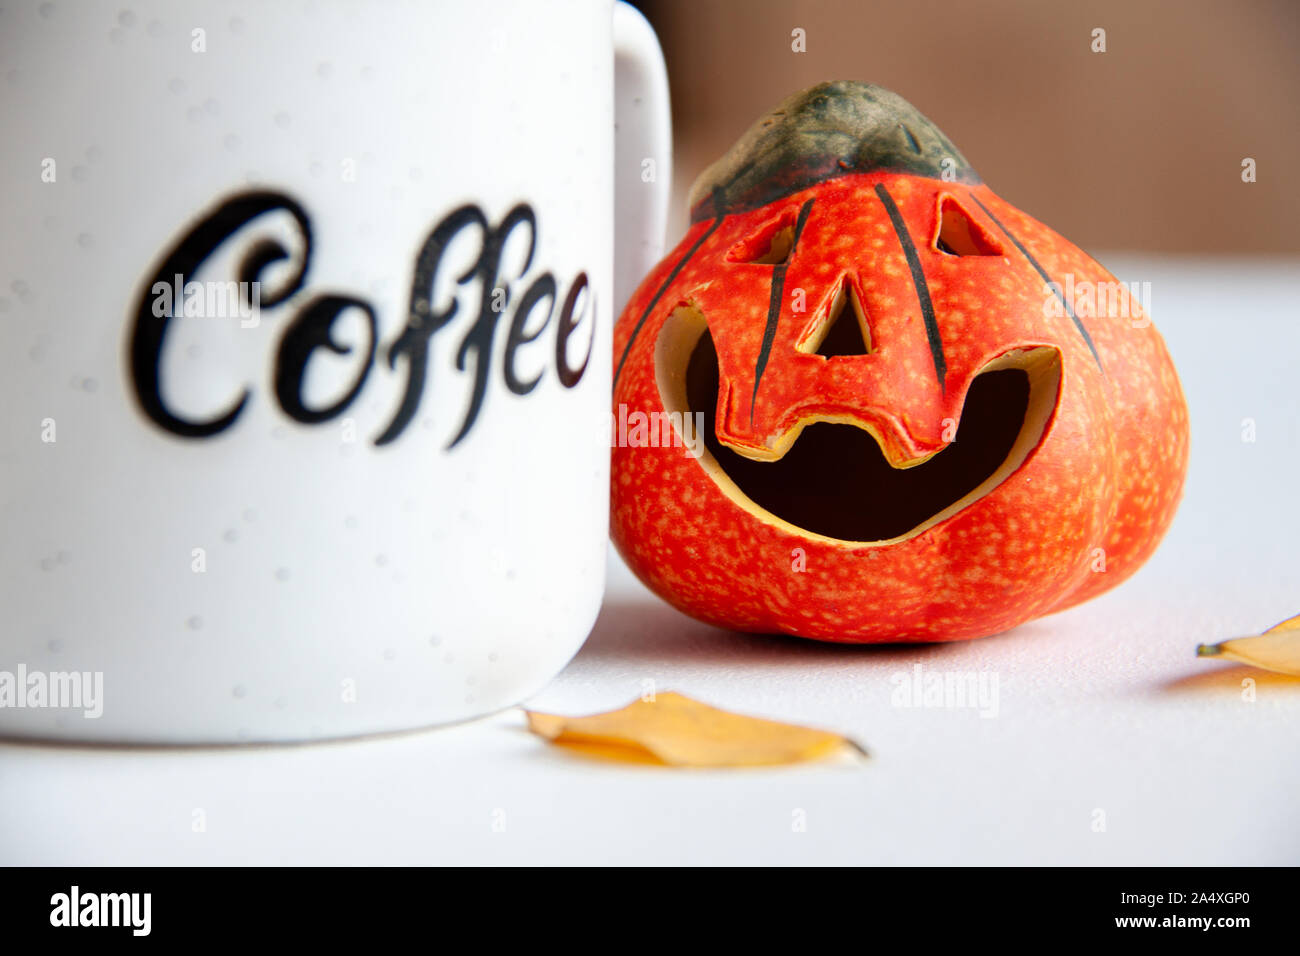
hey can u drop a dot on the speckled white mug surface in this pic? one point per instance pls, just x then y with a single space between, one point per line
305 332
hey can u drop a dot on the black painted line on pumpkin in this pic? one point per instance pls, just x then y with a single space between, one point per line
918 280
1054 286
774 301
672 276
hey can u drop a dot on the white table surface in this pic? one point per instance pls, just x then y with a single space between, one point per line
1103 707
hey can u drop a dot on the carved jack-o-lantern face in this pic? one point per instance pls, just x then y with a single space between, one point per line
916 422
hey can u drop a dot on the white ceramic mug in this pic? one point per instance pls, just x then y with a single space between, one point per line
305 326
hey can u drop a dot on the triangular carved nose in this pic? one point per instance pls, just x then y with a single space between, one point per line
844 330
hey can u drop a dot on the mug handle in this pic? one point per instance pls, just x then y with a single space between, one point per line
643 150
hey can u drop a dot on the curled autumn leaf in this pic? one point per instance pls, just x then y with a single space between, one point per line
678 731
1277 649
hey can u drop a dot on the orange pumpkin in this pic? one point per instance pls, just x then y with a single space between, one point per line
922 415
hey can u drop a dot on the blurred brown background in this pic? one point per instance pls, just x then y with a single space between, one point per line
1139 147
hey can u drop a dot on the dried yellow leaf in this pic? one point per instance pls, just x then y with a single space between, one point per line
1277 649
676 730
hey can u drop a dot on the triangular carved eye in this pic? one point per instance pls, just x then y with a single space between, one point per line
959 235
770 245
844 331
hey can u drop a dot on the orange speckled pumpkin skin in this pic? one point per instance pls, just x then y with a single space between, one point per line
1107 473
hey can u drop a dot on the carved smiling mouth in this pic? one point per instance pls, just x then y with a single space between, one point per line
834 480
